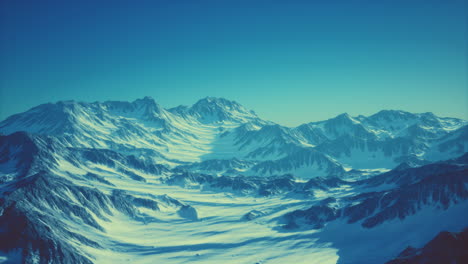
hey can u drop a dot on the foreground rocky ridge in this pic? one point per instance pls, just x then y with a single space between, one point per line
446 247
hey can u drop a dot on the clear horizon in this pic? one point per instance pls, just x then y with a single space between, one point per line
291 63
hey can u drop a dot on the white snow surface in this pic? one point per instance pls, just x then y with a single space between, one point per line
221 235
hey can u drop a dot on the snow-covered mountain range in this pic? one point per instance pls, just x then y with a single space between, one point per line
114 182
216 130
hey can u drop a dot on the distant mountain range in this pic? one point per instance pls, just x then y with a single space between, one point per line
216 130
114 182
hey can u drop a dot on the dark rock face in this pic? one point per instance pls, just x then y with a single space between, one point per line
254 214
316 216
434 185
240 184
298 159
94 177
455 141
188 212
16 154
443 189
185 178
236 183
21 153
446 247
39 242
410 175
226 166
277 185
32 227
323 183
111 158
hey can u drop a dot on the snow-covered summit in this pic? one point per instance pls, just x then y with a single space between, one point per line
214 110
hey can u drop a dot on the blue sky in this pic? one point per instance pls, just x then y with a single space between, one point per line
290 61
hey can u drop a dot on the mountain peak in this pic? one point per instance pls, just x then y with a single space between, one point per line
216 101
391 115
215 109
343 116
146 100
344 119
148 105
67 102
